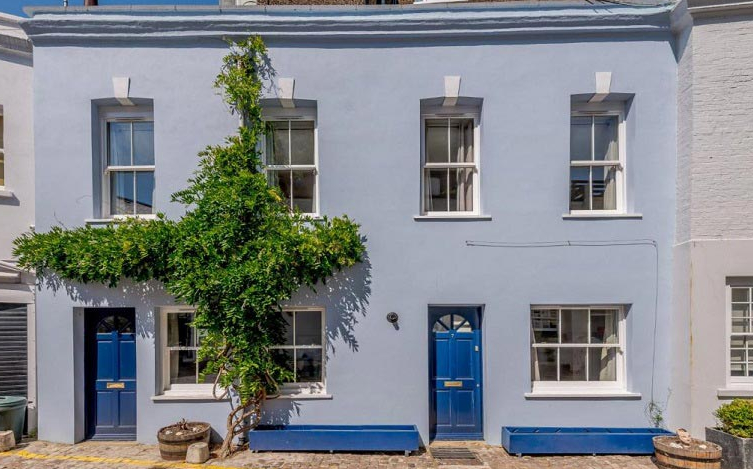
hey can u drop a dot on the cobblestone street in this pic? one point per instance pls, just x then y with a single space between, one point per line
100 455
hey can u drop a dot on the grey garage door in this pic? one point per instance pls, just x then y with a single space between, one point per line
13 349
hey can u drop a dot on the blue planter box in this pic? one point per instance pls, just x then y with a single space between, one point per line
566 440
334 438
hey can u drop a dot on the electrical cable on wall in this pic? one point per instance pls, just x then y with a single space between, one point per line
594 243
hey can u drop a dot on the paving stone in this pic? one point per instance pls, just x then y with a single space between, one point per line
491 457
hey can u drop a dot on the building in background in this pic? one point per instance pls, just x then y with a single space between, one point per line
17 347
713 255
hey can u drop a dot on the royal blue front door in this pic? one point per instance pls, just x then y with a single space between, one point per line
111 374
456 387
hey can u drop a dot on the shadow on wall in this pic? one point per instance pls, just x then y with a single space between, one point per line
345 297
143 296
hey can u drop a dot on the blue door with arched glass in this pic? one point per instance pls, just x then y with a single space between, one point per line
110 357
455 373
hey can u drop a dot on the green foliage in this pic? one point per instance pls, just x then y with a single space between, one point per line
736 418
236 254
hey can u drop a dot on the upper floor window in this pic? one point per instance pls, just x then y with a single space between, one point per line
597 161
740 303
303 350
450 176
2 151
128 182
577 347
290 160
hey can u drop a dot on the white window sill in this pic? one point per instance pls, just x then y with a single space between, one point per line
187 398
107 221
732 392
6 193
302 397
585 394
601 216
452 217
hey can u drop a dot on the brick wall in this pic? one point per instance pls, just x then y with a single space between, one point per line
720 173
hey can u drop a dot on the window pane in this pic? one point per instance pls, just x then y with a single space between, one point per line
741 294
604 188
737 362
288 317
461 324
605 138
443 324
436 141
302 142
435 185
121 193
180 333
580 138
602 364
604 326
119 136
308 363
2 131
304 183
461 190
579 189
183 367
2 169
284 358
574 326
277 144
308 328
281 179
144 192
143 143
461 140
208 379
544 362
740 325
544 325
572 364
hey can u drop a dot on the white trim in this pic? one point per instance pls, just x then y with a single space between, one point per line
297 390
580 394
732 392
121 114
736 382
601 109
587 214
176 391
296 114
441 216
452 112
549 388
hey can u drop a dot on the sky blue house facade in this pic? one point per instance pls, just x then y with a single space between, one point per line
512 168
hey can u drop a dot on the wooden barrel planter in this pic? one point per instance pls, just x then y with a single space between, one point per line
174 440
672 454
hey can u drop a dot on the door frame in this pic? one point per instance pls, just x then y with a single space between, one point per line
434 312
91 318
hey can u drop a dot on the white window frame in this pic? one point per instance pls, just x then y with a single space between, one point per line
586 387
604 109
2 151
456 112
296 114
307 388
178 390
740 282
119 114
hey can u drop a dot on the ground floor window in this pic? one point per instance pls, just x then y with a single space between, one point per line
303 349
181 368
577 347
740 302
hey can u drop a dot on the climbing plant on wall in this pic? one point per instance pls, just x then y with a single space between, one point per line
236 254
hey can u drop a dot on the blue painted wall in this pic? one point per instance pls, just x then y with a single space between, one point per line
368 93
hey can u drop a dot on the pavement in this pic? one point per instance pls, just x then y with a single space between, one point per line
110 455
